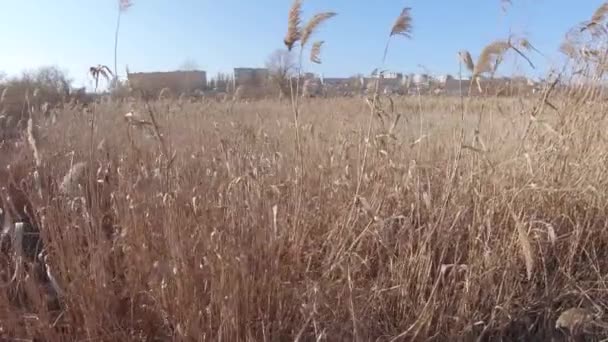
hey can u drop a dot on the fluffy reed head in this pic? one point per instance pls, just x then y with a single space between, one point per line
315 52
294 32
574 319
313 24
75 177
490 57
467 60
596 21
403 24
600 13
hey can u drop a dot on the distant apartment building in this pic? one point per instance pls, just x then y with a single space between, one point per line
250 76
176 81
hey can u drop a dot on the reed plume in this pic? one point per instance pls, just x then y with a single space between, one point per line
490 57
403 24
313 24
315 52
493 54
467 60
600 13
294 31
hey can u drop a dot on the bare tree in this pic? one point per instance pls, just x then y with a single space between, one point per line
189 65
281 66
52 83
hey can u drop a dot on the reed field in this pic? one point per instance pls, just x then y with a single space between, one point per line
371 218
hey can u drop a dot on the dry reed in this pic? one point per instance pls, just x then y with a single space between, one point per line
467 60
4 96
490 57
315 52
210 249
403 24
599 16
314 24
294 31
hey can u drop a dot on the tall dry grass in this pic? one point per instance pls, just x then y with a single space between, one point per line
207 248
399 219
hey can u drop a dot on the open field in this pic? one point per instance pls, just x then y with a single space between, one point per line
219 231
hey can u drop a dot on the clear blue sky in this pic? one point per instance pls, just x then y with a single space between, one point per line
221 34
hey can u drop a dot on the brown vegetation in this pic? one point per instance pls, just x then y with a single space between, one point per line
206 245
393 218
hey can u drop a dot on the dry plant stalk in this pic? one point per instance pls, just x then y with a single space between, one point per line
315 52
294 32
313 24
4 95
33 141
100 70
403 24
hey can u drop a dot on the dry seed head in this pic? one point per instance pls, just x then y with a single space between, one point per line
600 13
490 57
595 25
467 60
73 179
403 24
574 319
366 207
313 24
568 49
315 52
525 245
294 32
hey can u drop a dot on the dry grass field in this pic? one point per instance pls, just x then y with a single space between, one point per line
332 219
235 238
